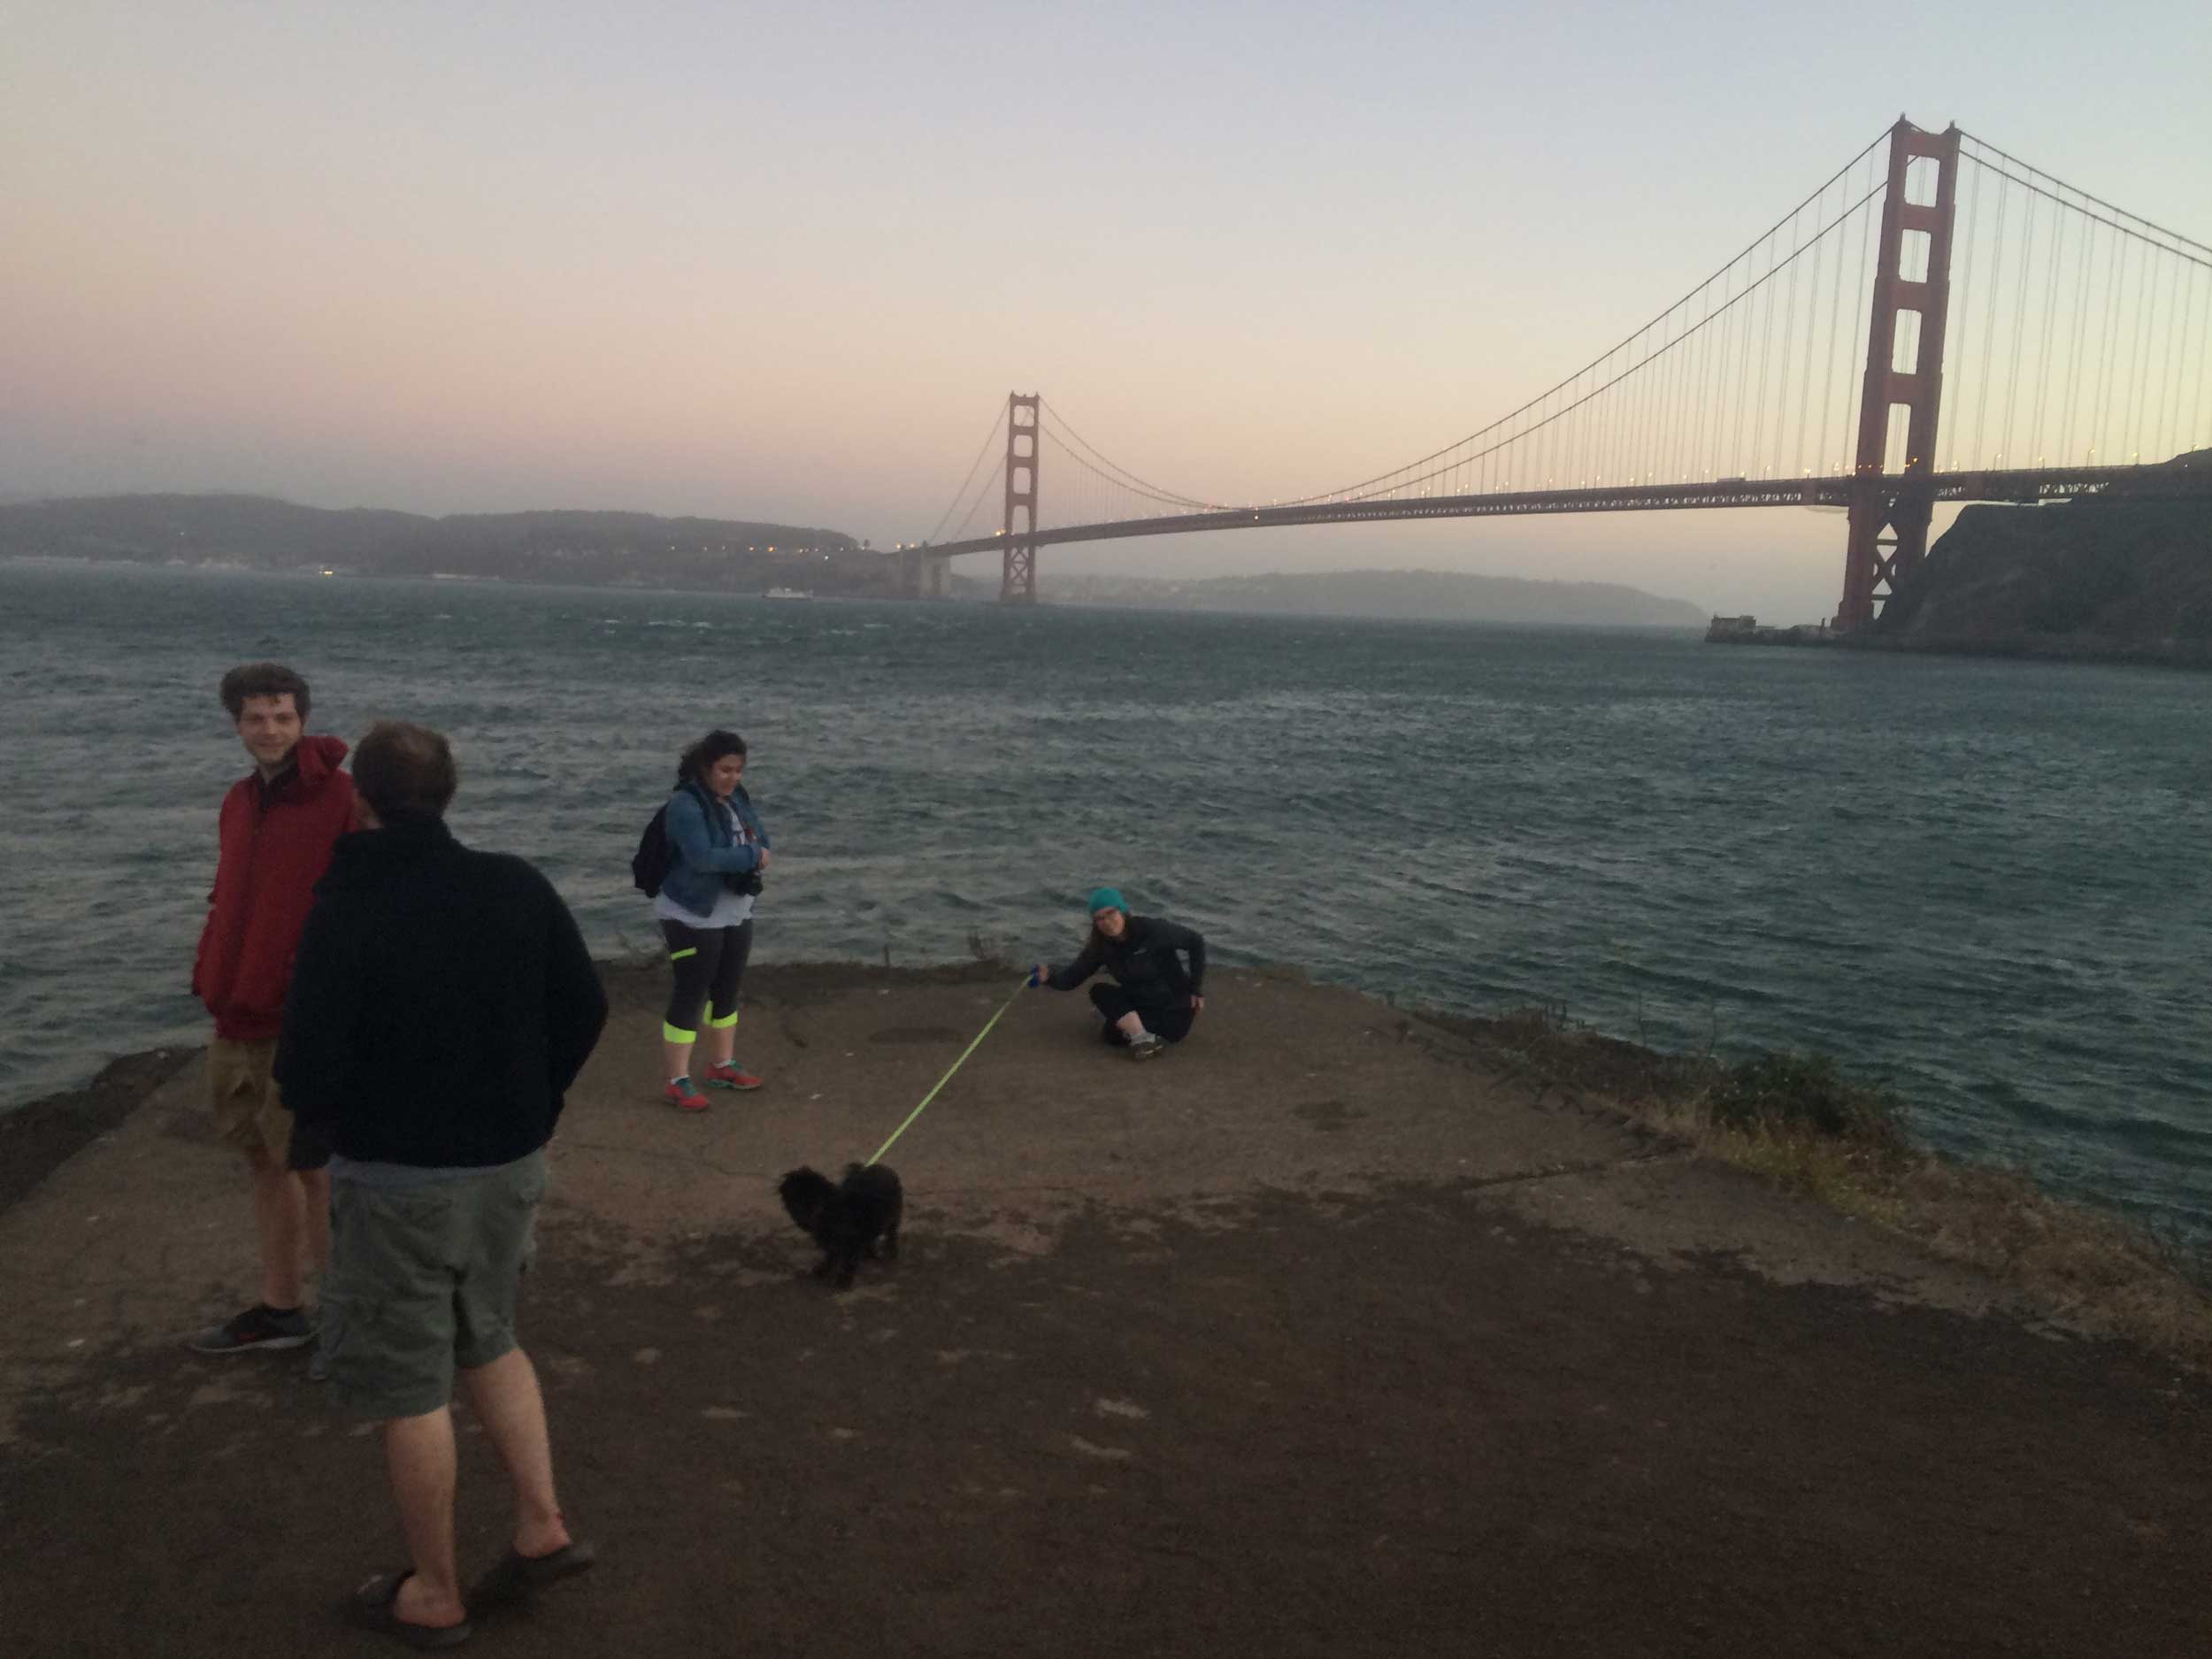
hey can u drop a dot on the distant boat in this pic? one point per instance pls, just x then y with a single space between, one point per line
785 593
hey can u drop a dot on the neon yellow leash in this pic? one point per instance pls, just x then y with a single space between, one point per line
955 1066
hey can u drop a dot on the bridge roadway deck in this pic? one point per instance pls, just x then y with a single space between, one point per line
2024 485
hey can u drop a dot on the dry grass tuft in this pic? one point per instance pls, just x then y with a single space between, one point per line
1800 1122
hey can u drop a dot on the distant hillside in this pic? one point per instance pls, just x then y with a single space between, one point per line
628 548
2101 577
1422 595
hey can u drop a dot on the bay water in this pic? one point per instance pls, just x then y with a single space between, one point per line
1983 883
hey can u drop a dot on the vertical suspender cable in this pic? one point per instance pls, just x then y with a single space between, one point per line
1828 381
1812 329
1989 348
1641 414
2131 400
2108 364
2141 438
2175 436
2019 335
2203 425
1669 463
1605 431
1642 417
1861 297
1782 366
2037 445
1699 404
1743 380
2080 308
1962 269
1766 342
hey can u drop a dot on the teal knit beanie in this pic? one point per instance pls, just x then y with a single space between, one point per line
1108 899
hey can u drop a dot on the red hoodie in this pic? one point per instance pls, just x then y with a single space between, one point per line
274 844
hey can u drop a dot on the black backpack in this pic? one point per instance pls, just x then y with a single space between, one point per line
649 866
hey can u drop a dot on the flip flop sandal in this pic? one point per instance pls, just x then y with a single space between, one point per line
370 1608
518 1575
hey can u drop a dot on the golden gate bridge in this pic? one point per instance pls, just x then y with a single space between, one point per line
1940 321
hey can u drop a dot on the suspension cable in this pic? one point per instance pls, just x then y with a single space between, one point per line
2078 191
997 415
1128 477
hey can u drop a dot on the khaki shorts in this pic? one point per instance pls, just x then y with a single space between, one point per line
422 1281
248 1112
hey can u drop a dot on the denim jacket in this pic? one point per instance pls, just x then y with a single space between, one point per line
702 850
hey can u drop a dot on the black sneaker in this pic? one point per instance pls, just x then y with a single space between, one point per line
1146 1046
259 1326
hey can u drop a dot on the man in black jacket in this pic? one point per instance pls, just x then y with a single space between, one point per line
1153 998
441 1003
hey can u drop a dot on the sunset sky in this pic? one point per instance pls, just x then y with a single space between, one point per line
783 262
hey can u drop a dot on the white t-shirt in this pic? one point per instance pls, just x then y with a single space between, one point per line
730 910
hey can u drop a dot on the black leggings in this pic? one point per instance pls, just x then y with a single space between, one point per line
1173 1024
709 963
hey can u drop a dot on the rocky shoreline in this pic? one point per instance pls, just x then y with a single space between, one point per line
1994 1220
2097 579
39 1136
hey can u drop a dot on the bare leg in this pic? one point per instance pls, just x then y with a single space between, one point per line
1130 1026
418 1456
280 1224
315 1207
511 1408
721 1044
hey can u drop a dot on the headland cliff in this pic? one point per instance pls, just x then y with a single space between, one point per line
2104 578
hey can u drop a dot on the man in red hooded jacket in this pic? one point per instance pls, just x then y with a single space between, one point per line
277 826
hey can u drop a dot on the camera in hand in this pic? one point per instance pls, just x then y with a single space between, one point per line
746 882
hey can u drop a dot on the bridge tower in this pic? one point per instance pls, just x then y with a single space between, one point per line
1890 511
1017 584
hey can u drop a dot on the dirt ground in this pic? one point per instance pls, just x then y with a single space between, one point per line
1315 1336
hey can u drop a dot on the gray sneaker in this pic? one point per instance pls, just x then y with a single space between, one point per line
1145 1046
259 1326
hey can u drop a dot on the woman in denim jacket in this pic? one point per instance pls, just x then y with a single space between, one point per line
717 853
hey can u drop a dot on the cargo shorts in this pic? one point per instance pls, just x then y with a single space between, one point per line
249 1111
425 1268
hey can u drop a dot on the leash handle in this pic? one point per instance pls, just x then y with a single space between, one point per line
955 1066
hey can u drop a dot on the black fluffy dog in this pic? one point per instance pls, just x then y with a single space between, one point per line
848 1217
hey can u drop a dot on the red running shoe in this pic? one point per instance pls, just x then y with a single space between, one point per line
730 1075
683 1097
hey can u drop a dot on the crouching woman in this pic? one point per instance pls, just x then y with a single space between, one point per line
1154 997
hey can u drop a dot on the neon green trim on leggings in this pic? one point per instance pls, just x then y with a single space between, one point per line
723 1024
677 1034
688 950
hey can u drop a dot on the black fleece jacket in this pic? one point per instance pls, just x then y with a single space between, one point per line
1143 962
441 1003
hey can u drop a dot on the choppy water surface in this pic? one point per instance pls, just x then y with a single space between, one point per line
1983 881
